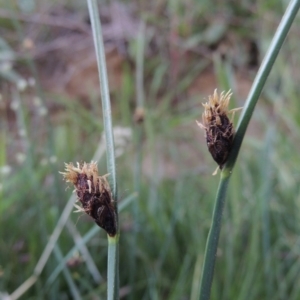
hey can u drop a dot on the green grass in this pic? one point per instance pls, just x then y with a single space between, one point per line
258 250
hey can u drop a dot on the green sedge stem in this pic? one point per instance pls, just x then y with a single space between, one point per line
213 239
104 89
113 264
258 84
113 242
261 78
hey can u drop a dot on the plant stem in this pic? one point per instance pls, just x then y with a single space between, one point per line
104 89
113 243
113 264
213 239
257 86
261 78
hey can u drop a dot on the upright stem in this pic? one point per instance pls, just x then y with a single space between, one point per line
258 84
104 89
113 242
261 78
213 238
113 265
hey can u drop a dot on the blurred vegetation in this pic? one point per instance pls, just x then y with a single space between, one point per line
51 114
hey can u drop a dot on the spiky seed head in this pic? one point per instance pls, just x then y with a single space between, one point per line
218 128
93 193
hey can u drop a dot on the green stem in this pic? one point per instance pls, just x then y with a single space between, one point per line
213 239
261 78
104 89
140 98
113 263
113 243
258 84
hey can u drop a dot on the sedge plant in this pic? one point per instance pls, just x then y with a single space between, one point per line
113 241
104 89
227 167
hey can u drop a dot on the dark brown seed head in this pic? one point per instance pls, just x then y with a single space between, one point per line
218 128
93 192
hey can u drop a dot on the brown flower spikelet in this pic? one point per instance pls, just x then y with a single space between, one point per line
218 128
93 193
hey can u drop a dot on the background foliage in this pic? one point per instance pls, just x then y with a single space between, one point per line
51 114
